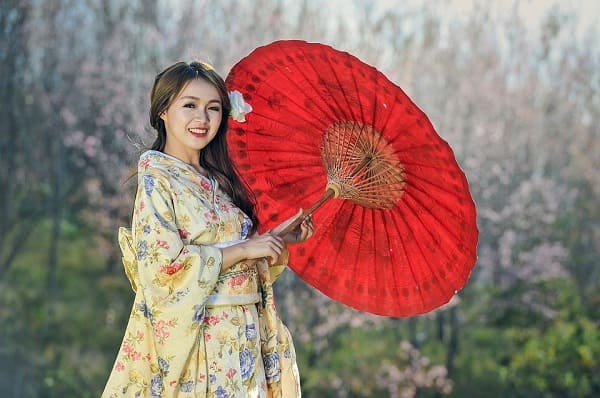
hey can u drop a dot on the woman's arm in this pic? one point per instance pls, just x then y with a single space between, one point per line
269 245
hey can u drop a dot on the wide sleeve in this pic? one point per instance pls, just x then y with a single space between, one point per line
277 269
174 279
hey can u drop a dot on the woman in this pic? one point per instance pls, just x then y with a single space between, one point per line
203 322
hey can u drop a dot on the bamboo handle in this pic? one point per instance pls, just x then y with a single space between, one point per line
329 193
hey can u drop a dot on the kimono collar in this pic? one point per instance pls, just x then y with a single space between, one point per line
161 161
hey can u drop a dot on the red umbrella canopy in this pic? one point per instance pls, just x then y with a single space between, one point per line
405 254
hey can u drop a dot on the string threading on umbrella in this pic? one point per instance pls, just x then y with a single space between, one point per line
361 166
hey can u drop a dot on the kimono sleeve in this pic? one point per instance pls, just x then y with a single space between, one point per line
175 279
277 269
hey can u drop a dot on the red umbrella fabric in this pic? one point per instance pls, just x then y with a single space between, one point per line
408 254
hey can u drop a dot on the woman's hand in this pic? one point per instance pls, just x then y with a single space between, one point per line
270 244
300 233
267 245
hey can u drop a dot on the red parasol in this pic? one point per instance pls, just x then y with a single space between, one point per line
401 237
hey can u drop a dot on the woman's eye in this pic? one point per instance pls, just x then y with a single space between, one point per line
189 105
215 108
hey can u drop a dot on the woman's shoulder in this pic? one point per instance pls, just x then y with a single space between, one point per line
159 163
150 160
166 170
153 166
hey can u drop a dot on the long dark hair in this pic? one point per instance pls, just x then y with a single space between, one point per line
214 158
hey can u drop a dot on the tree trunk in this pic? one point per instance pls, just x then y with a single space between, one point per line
56 214
452 341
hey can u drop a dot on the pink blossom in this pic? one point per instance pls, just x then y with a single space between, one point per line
211 320
205 185
230 373
144 163
160 329
170 269
162 243
237 280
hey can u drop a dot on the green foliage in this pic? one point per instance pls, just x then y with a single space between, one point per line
553 358
563 361
60 340
350 353
358 361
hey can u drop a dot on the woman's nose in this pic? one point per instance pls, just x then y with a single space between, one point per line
202 115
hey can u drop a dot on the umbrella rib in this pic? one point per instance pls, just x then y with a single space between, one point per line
394 104
380 273
265 151
431 268
331 108
429 166
358 246
348 145
291 99
437 202
384 272
309 122
448 230
409 262
314 88
286 93
380 137
347 105
395 269
425 260
412 149
281 150
443 226
288 165
333 218
438 186
356 88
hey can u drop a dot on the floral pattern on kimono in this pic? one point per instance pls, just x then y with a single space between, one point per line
195 331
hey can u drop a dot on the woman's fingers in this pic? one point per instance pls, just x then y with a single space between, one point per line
307 229
275 246
299 234
267 245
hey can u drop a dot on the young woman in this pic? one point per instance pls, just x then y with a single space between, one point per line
203 323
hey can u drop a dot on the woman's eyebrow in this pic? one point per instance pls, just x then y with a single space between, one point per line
191 97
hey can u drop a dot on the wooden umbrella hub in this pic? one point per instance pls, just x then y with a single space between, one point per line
362 166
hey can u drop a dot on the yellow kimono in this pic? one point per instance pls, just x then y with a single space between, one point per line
195 331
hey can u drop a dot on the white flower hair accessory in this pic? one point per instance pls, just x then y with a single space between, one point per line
239 107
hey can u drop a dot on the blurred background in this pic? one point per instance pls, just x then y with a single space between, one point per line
513 86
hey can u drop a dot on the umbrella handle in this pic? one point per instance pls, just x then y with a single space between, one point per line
329 193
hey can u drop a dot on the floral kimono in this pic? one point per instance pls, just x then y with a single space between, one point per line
195 331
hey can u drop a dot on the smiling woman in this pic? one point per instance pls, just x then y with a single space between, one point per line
203 322
192 119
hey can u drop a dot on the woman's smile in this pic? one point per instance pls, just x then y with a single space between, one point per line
198 132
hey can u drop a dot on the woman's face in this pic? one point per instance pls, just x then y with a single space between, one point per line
192 120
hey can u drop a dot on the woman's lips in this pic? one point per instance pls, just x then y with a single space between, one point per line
198 132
